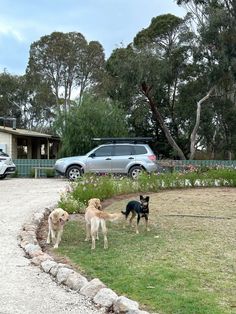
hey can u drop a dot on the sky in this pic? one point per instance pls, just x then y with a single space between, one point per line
114 23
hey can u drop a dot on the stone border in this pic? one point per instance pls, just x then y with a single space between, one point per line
95 290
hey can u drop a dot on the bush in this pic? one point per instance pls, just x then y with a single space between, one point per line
103 187
50 173
71 204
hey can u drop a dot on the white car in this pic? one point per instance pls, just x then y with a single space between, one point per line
6 165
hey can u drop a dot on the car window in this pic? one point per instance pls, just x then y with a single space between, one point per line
3 154
139 150
123 150
103 151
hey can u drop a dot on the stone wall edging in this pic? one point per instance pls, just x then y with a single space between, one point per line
95 290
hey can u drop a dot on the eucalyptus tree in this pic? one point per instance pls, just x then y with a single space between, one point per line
30 105
67 63
14 98
148 73
215 22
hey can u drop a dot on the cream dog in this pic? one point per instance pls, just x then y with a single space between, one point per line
94 217
56 222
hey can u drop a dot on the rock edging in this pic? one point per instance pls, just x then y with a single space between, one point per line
95 290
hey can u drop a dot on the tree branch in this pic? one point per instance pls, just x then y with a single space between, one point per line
197 123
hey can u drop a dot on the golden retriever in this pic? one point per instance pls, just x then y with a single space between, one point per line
94 217
56 222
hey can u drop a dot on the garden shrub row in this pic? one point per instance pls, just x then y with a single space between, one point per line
107 186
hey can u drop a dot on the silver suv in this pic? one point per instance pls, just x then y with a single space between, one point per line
6 165
116 158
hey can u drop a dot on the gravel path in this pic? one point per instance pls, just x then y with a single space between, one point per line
24 288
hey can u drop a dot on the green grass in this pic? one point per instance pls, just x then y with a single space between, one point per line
140 267
183 265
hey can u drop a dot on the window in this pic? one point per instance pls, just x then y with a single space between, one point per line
103 151
140 150
123 150
22 148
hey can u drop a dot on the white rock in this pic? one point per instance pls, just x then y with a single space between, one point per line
123 305
92 288
30 248
47 265
105 297
63 274
75 281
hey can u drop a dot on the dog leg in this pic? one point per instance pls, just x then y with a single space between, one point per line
88 228
58 239
104 231
49 236
146 223
138 219
94 230
131 218
126 213
93 243
53 235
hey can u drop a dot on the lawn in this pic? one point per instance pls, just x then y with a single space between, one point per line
186 264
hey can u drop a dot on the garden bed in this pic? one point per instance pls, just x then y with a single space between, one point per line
185 264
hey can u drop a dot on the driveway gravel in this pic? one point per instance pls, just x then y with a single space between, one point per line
24 288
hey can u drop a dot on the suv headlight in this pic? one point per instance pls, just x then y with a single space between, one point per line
59 162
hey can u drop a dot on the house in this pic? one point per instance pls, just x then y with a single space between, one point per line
26 144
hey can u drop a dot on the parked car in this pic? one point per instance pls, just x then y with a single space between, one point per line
118 157
7 166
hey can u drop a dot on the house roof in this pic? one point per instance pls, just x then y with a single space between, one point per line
24 132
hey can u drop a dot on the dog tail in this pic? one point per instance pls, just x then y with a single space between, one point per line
108 216
123 212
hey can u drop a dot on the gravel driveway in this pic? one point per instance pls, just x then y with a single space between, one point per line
24 288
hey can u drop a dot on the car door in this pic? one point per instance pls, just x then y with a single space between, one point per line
123 156
100 160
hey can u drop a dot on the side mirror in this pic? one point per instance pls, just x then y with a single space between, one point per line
92 155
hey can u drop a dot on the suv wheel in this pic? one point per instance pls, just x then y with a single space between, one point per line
73 173
135 171
3 176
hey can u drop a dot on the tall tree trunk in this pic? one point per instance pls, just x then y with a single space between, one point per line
197 123
145 90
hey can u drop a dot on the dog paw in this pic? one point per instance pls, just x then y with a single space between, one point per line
55 246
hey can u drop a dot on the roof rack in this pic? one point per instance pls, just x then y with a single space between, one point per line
134 140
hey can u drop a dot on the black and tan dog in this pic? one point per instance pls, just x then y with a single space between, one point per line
139 209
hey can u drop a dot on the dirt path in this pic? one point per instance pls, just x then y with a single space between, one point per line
25 288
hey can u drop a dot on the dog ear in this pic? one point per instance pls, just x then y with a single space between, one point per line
141 197
147 198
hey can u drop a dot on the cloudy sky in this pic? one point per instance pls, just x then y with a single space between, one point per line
113 23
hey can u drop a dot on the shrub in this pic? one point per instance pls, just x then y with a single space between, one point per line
107 186
71 204
50 173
